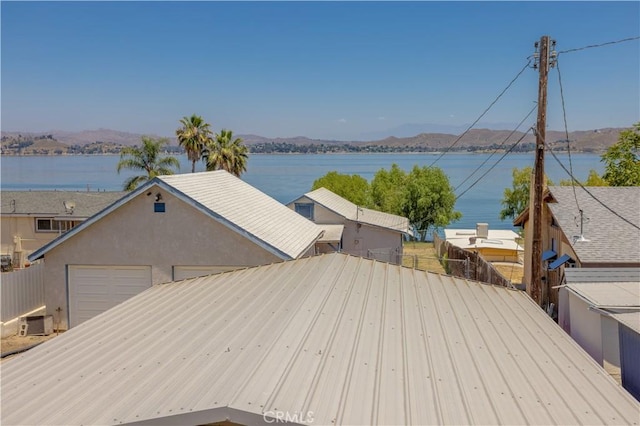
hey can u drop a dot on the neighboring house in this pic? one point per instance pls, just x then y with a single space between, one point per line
600 309
365 232
171 228
494 245
326 340
31 219
587 233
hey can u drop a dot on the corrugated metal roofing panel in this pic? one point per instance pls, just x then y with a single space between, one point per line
353 212
349 340
609 295
630 319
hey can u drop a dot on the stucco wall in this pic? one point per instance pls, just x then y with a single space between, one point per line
357 238
135 235
25 228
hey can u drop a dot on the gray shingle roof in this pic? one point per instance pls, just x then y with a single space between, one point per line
351 211
350 340
51 203
611 239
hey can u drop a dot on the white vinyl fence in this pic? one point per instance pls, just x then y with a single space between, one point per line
21 291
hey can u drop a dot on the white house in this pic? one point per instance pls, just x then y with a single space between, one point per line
365 232
171 228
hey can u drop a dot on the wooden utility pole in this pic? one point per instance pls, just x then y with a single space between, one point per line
535 212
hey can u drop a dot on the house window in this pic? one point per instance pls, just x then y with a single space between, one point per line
158 207
305 209
53 225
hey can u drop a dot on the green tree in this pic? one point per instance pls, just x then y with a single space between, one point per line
354 188
147 158
193 136
516 198
387 190
429 200
226 153
622 163
594 179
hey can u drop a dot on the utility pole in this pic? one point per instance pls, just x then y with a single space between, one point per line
536 210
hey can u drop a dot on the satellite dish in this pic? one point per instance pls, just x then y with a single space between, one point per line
69 206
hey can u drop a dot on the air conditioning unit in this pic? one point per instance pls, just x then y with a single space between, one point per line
36 325
482 230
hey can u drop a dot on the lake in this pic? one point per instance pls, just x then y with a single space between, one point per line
285 177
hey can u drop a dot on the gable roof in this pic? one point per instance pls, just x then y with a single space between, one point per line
347 339
351 211
230 201
52 203
610 238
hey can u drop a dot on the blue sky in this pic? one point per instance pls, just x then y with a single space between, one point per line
334 70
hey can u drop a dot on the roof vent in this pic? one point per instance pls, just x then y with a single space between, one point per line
482 230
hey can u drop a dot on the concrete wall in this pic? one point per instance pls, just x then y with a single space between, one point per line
135 235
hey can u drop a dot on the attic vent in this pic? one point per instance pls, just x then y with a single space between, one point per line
158 208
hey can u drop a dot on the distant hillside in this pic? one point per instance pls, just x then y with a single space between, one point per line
111 141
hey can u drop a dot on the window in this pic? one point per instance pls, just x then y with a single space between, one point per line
158 207
53 225
305 209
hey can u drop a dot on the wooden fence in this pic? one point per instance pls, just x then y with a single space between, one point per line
466 264
21 291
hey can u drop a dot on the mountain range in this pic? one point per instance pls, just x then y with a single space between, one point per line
583 140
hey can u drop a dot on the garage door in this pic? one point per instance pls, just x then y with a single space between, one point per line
94 289
184 272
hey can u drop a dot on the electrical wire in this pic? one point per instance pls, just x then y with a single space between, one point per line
496 150
495 164
481 115
599 45
566 134
589 192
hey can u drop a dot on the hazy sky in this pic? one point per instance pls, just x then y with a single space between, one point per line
333 70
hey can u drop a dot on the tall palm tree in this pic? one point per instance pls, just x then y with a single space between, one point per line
226 153
147 158
193 136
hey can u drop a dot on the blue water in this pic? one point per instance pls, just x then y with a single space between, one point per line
285 177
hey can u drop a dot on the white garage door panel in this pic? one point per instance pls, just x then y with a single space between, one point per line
94 289
184 272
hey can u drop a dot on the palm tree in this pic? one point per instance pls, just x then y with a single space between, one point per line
193 136
226 153
147 158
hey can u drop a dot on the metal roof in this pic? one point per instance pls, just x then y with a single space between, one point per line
586 275
610 238
333 339
332 233
629 319
609 295
351 211
232 202
52 203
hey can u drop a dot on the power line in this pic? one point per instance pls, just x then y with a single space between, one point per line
481 115
589 192
566 134
496 150
600 45
495 164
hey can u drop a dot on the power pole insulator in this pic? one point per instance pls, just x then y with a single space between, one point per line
537 293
